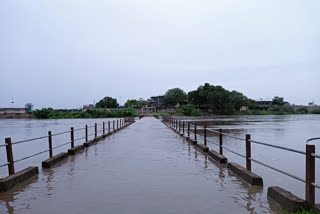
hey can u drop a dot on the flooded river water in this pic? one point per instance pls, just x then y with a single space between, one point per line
147 168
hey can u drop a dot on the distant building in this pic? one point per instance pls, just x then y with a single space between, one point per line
263 104
86 107
12 110
156 101
244 108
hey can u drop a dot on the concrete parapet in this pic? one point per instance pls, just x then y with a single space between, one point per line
89 143
245 174
193 142
55 159
11 181
75 150
286 200
217 157
202 147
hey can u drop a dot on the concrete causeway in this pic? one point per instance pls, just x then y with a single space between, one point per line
144 168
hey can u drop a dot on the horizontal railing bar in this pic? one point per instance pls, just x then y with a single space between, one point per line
91 134
60 133
3 145
79 138
279 147
28 140
61 145
278 170
6 164
315 185
312 139
79 129
315 155
30 156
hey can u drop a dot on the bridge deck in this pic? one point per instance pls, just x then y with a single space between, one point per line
146 168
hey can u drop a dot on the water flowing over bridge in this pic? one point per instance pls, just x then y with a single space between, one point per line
145 168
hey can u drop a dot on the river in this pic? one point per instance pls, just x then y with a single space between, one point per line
148 168
284 130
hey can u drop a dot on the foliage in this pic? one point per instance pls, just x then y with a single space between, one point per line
175 96
160 114
195 112
142 103
302 211
189 110
277 101
216 99
131 103
238 100
49 113
135 103
107 102
28 106
316 111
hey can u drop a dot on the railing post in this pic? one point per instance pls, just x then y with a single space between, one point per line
220 142
50 143
176 124
72 137
95 130
183 127
117 124
248 152
103 128
109 126
189 129
9 156
86 133
310 174
205 135
195 132
113 125
179 126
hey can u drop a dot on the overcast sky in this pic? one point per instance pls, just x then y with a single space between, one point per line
64 54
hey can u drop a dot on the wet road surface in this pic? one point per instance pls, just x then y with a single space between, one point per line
145 168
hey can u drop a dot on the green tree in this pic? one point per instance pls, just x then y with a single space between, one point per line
107 102
238 100
278 101
187 109
131 103
142 104
28 106
175 96
212 98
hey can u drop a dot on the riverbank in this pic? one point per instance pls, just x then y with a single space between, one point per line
69 114
16 116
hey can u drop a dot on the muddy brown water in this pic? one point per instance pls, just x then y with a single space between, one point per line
147 168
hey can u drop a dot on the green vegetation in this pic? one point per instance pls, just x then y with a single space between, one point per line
316 111
189 110
175 96
302 211
135 103
160 114
217 100
49 113
107 102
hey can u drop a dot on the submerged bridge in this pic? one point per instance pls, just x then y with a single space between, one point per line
145 168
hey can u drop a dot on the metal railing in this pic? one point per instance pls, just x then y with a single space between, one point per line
310 154
9 144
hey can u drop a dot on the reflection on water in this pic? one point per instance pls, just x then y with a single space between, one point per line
147 168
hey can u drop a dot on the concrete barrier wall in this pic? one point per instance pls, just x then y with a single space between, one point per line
11 181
